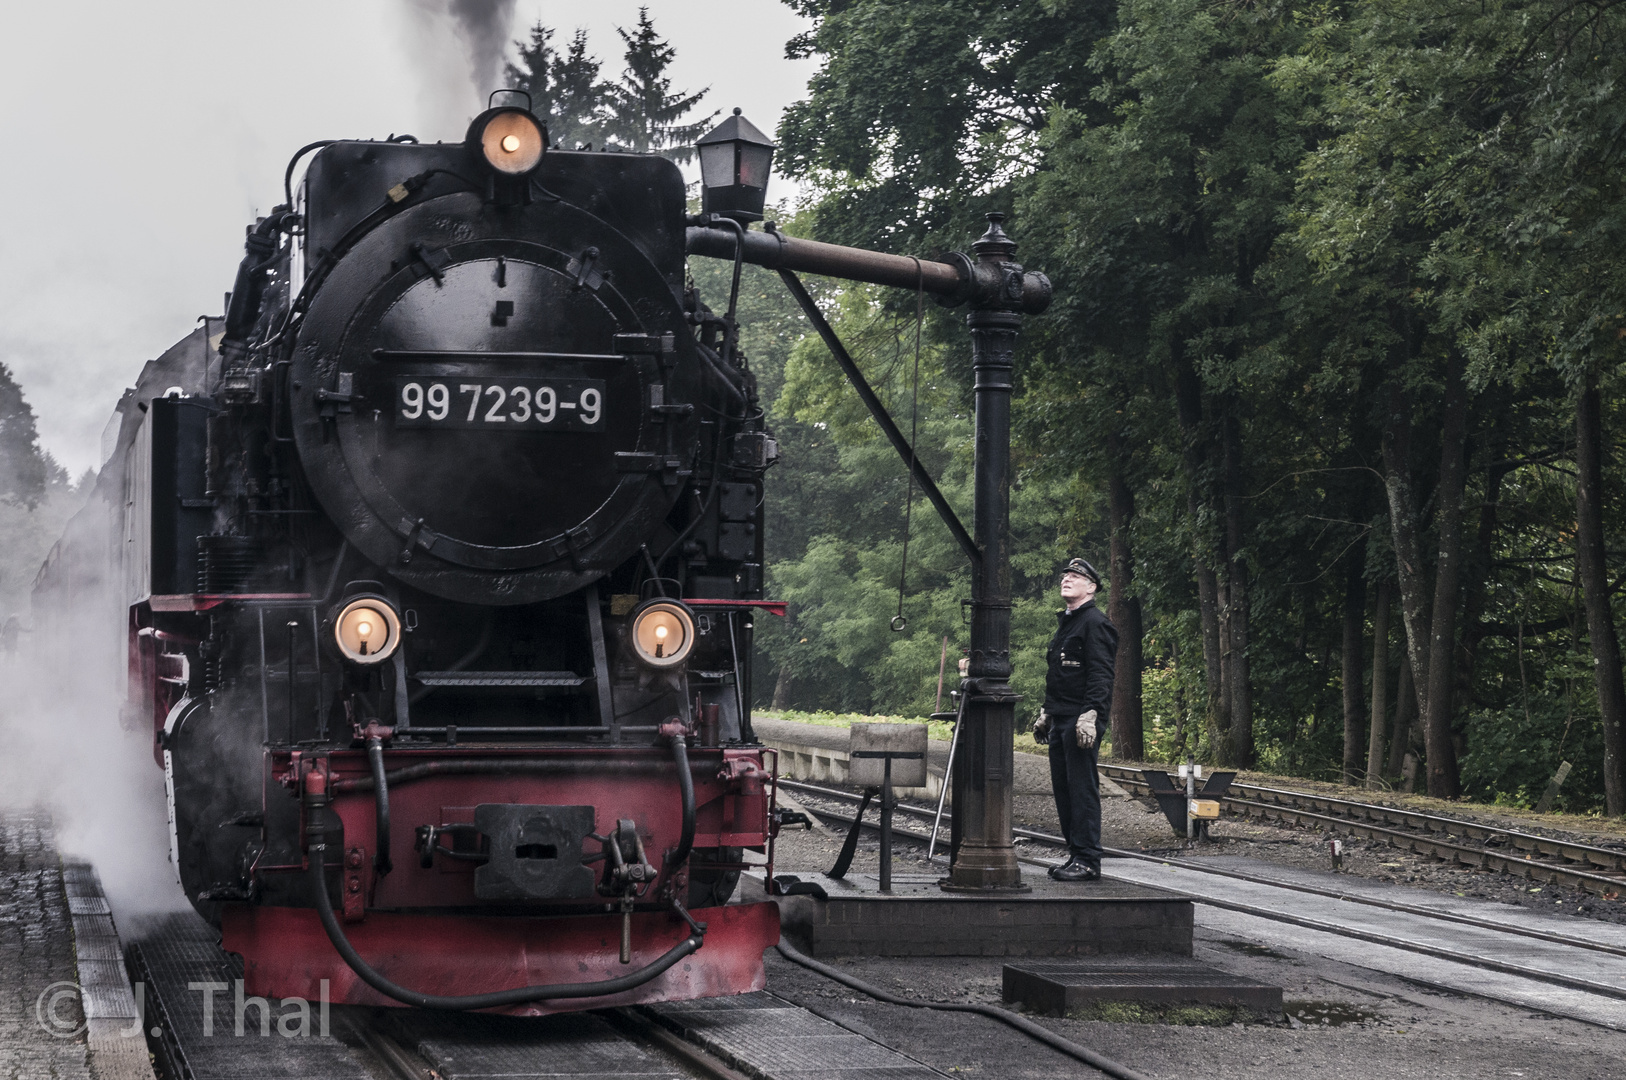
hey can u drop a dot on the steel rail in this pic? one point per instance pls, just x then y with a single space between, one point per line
639 1022
1186 864
397 1060
1292 806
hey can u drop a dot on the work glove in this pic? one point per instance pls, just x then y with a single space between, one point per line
1086 730
1041 728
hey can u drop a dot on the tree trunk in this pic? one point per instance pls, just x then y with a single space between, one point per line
1380 686
1354 625
1476 579
1404 529
1593 571
1405 709
1238 681
1438 708
1216 709
1128 734
1182 719
781 690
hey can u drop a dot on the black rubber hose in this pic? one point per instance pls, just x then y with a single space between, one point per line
1004 1016
499 999
381 789
680 754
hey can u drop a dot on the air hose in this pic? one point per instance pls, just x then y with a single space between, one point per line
680 755
381 789
1004 1016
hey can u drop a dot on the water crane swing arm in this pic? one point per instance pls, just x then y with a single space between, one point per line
884 419
954 278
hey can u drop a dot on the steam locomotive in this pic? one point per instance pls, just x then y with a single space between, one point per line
437 560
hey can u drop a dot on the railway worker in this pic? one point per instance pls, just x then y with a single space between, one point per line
1077 702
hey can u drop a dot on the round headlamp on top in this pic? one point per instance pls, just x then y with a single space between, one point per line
662 633
509 138
367 630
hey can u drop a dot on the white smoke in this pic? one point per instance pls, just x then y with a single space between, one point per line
67 752
458 48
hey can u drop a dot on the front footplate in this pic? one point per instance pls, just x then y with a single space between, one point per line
286 954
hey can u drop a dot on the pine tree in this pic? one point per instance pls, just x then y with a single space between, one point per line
646 111
566 92
23 467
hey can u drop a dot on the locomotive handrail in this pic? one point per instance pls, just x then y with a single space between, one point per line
497 767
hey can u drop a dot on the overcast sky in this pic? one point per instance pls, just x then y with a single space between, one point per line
140 138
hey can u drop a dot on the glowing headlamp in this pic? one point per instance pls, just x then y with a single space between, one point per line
511 140
662 633
368 630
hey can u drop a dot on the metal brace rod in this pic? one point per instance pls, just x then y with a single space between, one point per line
878 411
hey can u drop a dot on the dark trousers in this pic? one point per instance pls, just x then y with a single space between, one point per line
1078 795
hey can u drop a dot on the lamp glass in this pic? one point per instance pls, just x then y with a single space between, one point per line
754 165
368 631
512 142
717 164
663 634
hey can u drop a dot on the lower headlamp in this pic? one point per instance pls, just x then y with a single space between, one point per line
662 633
368 630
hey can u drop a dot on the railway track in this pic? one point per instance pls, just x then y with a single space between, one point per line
1598 870
194 1035
1461 956
198 1028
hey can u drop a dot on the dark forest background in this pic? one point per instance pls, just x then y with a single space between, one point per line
1330 390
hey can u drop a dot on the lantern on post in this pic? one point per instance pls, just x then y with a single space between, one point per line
734 161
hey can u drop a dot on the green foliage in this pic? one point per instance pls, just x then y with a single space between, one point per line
1273 231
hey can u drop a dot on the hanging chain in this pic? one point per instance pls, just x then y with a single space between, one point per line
900 623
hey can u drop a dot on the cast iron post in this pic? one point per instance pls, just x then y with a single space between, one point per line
984 856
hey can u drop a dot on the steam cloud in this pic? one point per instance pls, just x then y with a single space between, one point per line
455 86
484 26
67 752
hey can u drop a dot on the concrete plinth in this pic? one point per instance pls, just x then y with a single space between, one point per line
1059 988
919 919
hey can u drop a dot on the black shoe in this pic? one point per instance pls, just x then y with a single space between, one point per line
1054 870
1077 871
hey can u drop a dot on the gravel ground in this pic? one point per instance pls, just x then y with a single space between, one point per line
1138 825
1348 1024
1341 1022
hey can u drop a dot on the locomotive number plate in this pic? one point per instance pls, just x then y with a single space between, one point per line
502 404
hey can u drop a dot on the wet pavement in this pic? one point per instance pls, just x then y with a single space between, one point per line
42 1027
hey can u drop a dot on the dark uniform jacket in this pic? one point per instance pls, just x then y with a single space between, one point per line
1081 658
